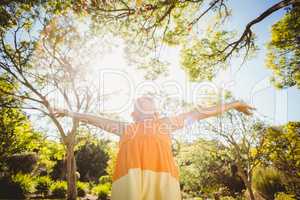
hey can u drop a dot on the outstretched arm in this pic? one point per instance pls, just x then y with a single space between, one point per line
177 122
112 126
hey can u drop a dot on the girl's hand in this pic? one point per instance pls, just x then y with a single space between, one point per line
243 107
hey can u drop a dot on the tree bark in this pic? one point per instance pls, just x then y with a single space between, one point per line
247 183
71 172
250 190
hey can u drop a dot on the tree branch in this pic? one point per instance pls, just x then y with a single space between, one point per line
205 12
247 34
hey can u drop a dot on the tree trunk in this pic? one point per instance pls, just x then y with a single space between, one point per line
247 183
250 190
71 172
251 194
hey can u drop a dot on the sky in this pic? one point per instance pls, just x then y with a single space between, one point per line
279 106
249 82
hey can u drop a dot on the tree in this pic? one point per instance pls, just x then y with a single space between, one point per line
49 153
283 56
205 168
150 24
283 152
245 140
92 160
17 135
49 68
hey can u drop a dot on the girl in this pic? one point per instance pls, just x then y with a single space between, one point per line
145 168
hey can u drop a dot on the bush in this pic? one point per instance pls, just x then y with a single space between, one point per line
104 179
268 182
43 184
28 161
59 189
91 161
82 188
283 196
102 191
25 181
10 189
59 170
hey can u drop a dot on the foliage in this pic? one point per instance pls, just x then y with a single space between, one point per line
102 191
41 52
283 196
48 152
91 159
10 189
283 151
194 162
43 184
200 56
28 161
16 134
25 181
243 139
205 167
59 170
205 50
112 152
82 188
283 50
58 189
268 182
104 179
144 32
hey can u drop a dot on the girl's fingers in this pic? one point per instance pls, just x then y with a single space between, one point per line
248 112
251 108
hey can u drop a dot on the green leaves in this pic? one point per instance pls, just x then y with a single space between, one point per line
282 149
283 56
202 58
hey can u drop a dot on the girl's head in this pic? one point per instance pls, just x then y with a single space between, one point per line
144 108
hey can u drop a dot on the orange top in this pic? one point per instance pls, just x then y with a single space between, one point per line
147 145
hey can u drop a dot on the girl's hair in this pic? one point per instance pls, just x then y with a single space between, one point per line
138 107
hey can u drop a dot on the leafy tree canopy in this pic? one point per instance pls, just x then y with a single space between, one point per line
16 133
282 149
283 56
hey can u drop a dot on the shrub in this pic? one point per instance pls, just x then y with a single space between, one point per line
10 189
104 179
25 181
268 182
28 161
59 170
102 191
43 184
82 188
283 196
91 161
59 189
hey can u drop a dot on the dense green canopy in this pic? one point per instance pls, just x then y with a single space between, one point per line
283 56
